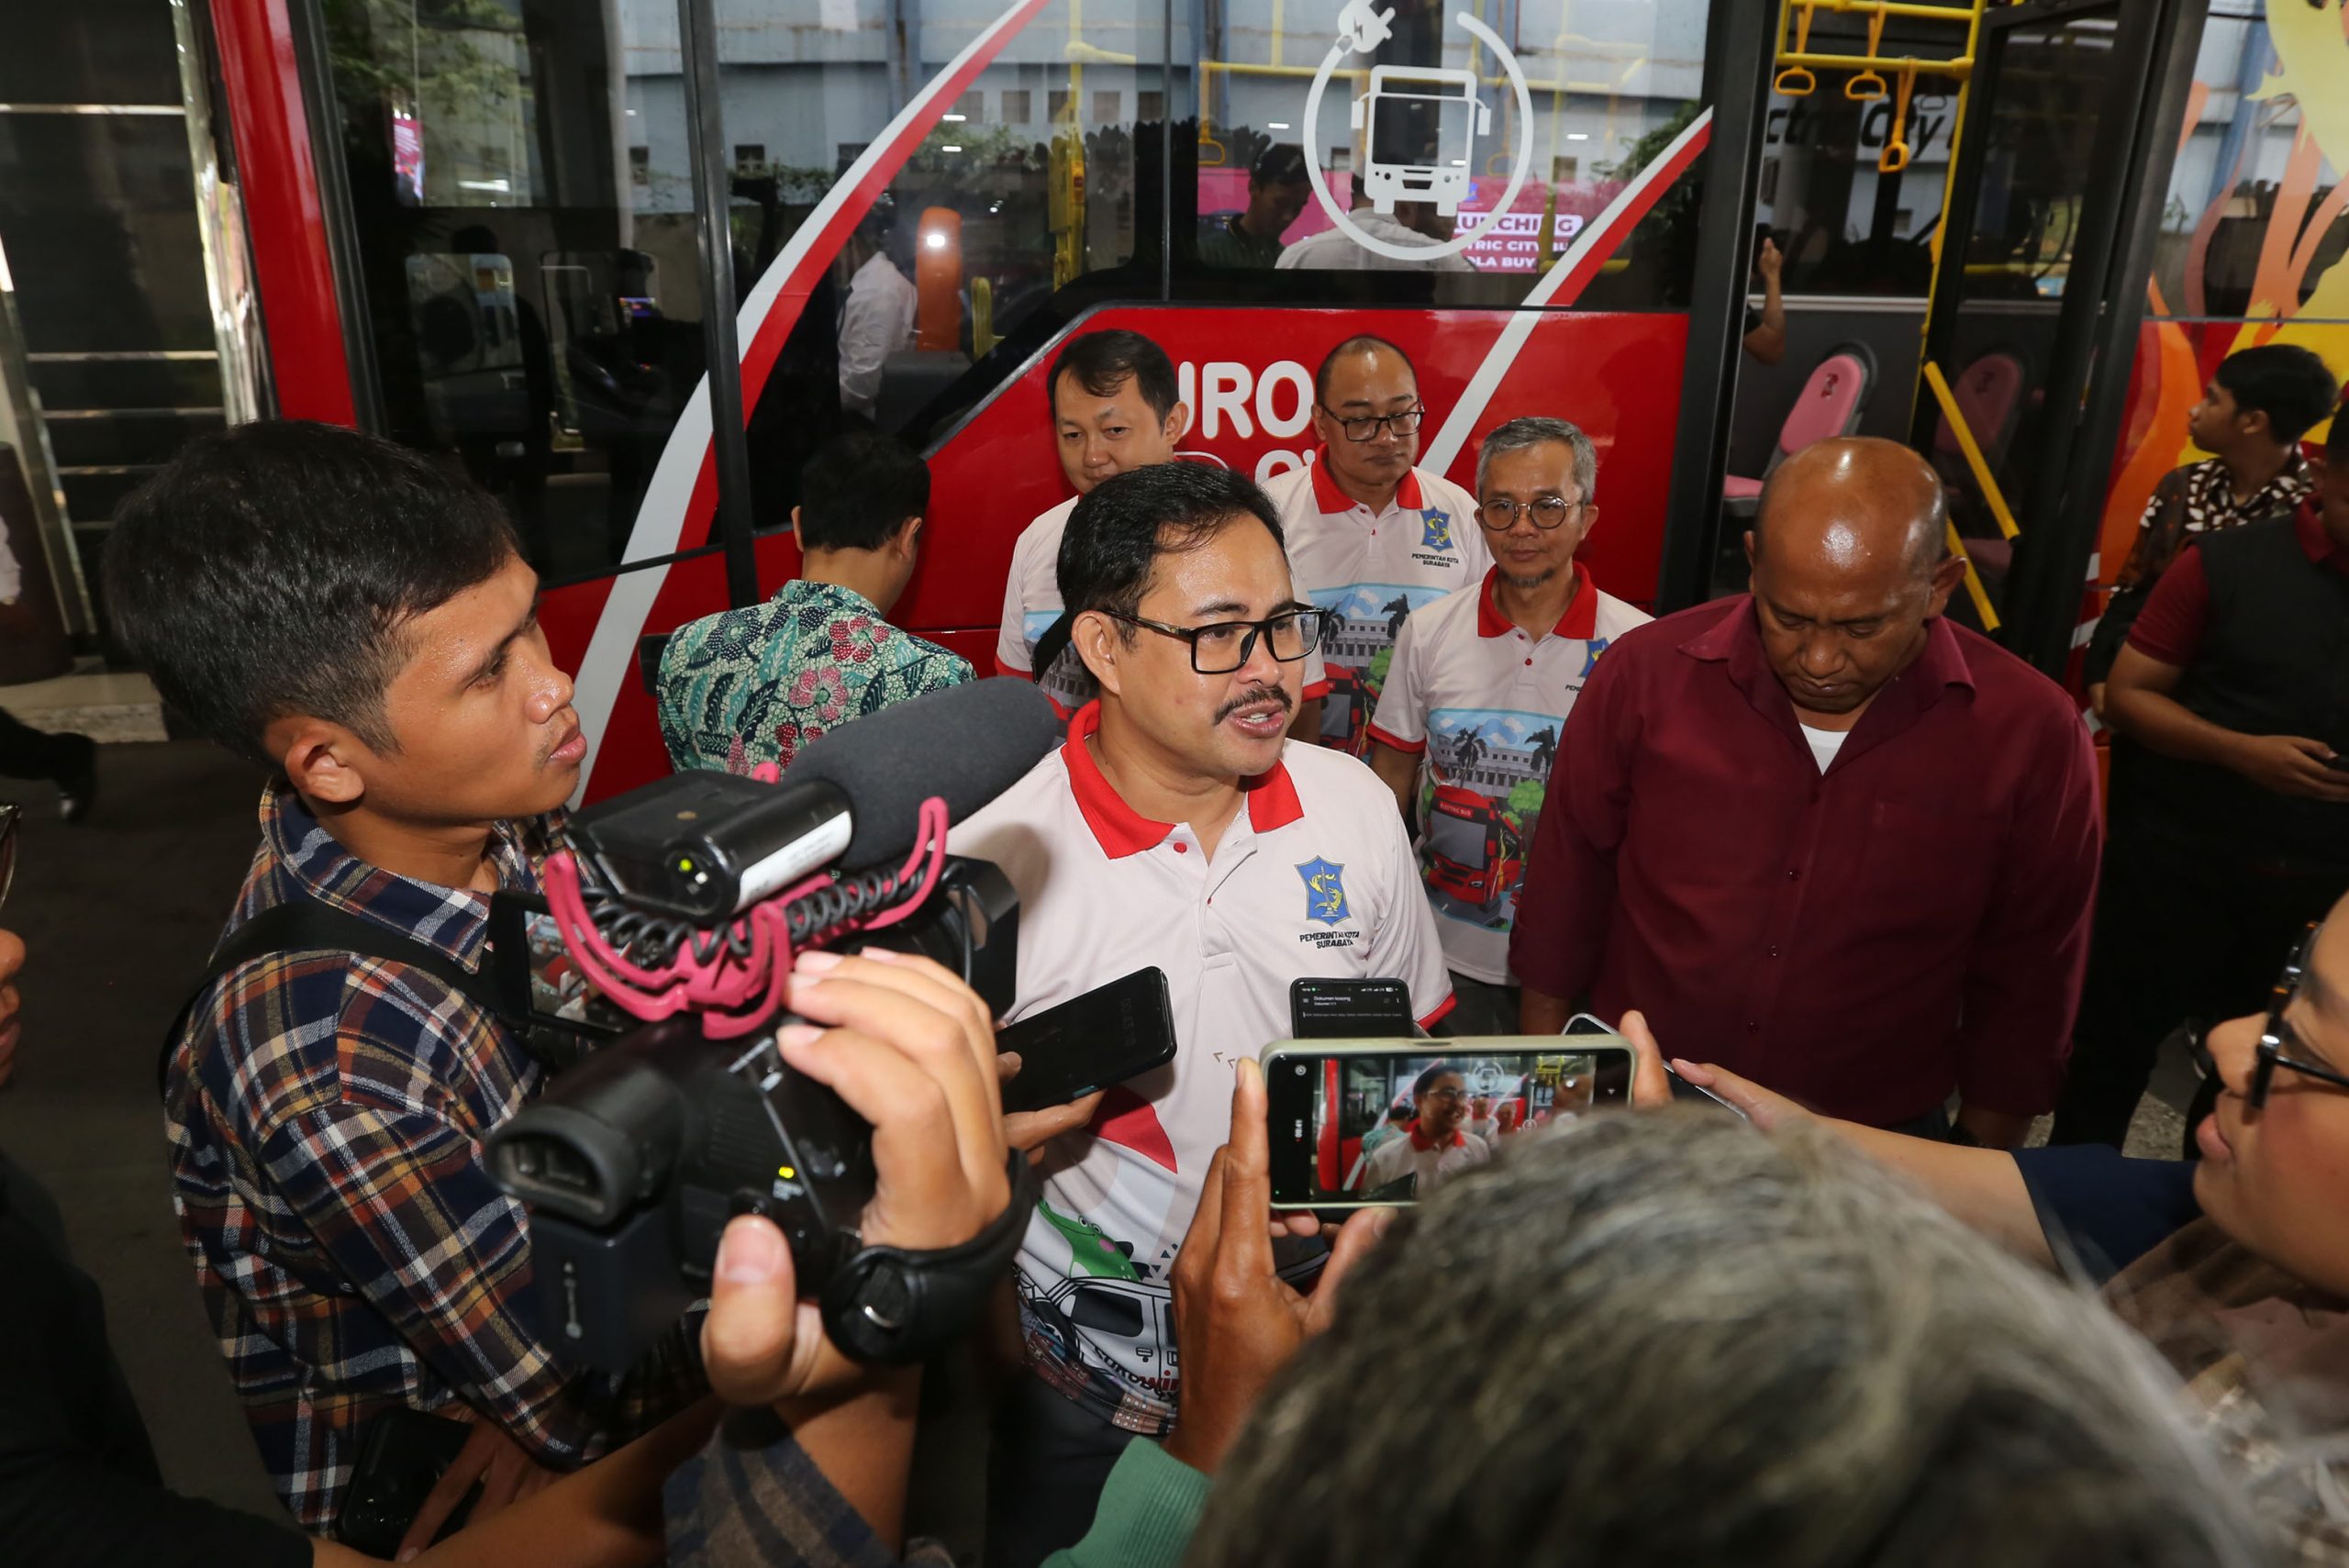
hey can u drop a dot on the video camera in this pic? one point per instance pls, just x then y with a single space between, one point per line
683 902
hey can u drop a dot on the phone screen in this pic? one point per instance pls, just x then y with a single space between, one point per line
1349 1009
1111 1034
1392 1125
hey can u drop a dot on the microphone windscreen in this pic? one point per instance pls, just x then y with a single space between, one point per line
968 744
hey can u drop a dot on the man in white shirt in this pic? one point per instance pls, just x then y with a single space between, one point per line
1116 407
878 318
1176 828
1478 695
1371 536
1435 1147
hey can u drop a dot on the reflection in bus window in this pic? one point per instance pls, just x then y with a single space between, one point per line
1420 138
525 249
1024 183
1844 223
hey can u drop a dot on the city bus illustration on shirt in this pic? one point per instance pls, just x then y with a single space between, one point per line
1396 106
1472 853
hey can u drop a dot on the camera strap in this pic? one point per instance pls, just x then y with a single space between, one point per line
896 1306
301 924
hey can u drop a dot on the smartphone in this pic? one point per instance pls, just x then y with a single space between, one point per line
402 1454
1341 1115
1684 1090
1349 1009
1584 1024
1111 1033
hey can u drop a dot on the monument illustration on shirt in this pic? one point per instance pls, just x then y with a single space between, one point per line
1066 682
1358 643
1480 796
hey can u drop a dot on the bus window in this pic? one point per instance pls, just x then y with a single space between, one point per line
526 249
1419 138
1024 185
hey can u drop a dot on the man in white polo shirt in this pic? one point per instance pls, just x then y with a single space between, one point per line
1436 1146
1478 695
1116 405
1177 827
1371 536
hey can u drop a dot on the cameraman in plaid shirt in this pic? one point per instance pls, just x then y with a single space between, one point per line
358 620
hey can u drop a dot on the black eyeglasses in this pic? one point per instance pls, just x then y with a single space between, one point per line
1549 512
2280 1037
1407 423
9 813
1221 647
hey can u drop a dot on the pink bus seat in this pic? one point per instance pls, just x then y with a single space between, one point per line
1833 399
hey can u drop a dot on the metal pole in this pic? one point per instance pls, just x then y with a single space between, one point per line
713 199
1738 63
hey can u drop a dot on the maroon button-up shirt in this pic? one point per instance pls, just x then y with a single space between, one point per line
1913 919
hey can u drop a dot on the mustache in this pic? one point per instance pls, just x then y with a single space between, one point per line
1252 698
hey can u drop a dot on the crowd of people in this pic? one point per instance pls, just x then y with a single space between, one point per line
1835 854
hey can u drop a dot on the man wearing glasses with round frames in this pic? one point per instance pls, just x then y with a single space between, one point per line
1371 535
1478 695
1179 828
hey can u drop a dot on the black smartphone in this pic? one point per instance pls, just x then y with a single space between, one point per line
1349 1009
1111 1033
1387 1121
402 1455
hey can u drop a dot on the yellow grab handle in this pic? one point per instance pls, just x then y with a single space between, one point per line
1796 81
1895 156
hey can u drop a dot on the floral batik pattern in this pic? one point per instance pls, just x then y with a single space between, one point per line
754 685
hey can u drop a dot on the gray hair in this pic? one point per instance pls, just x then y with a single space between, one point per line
1670 1340
1519 435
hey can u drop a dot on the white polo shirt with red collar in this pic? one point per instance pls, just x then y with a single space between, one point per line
1416 1155
1031 603
1313 877
1372 572
1482 706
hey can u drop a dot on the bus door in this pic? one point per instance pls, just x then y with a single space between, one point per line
2054 206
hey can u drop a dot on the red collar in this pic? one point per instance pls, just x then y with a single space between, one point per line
2314 541
1121 831
1423 1144
1581 619
1333 501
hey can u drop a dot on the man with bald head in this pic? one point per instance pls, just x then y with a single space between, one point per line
1821 831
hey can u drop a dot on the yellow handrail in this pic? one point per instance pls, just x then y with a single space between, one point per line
1978 594
1967 444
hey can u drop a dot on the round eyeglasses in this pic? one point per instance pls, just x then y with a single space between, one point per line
1500 514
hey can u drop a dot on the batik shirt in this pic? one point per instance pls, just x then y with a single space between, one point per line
754 685
2191 501
327 1114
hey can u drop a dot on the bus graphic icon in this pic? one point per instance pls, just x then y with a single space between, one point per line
1406 163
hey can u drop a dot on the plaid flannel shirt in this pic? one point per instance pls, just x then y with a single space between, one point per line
326 1117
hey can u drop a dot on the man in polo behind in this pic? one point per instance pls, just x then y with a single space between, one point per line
1823 830
1176 828
1483 679
1116 407
1371 536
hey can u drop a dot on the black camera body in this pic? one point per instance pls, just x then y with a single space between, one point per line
633 1161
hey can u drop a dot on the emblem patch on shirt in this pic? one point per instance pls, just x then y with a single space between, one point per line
1325 890
1437 526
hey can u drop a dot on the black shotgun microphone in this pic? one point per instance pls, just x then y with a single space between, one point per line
706 846
966 744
